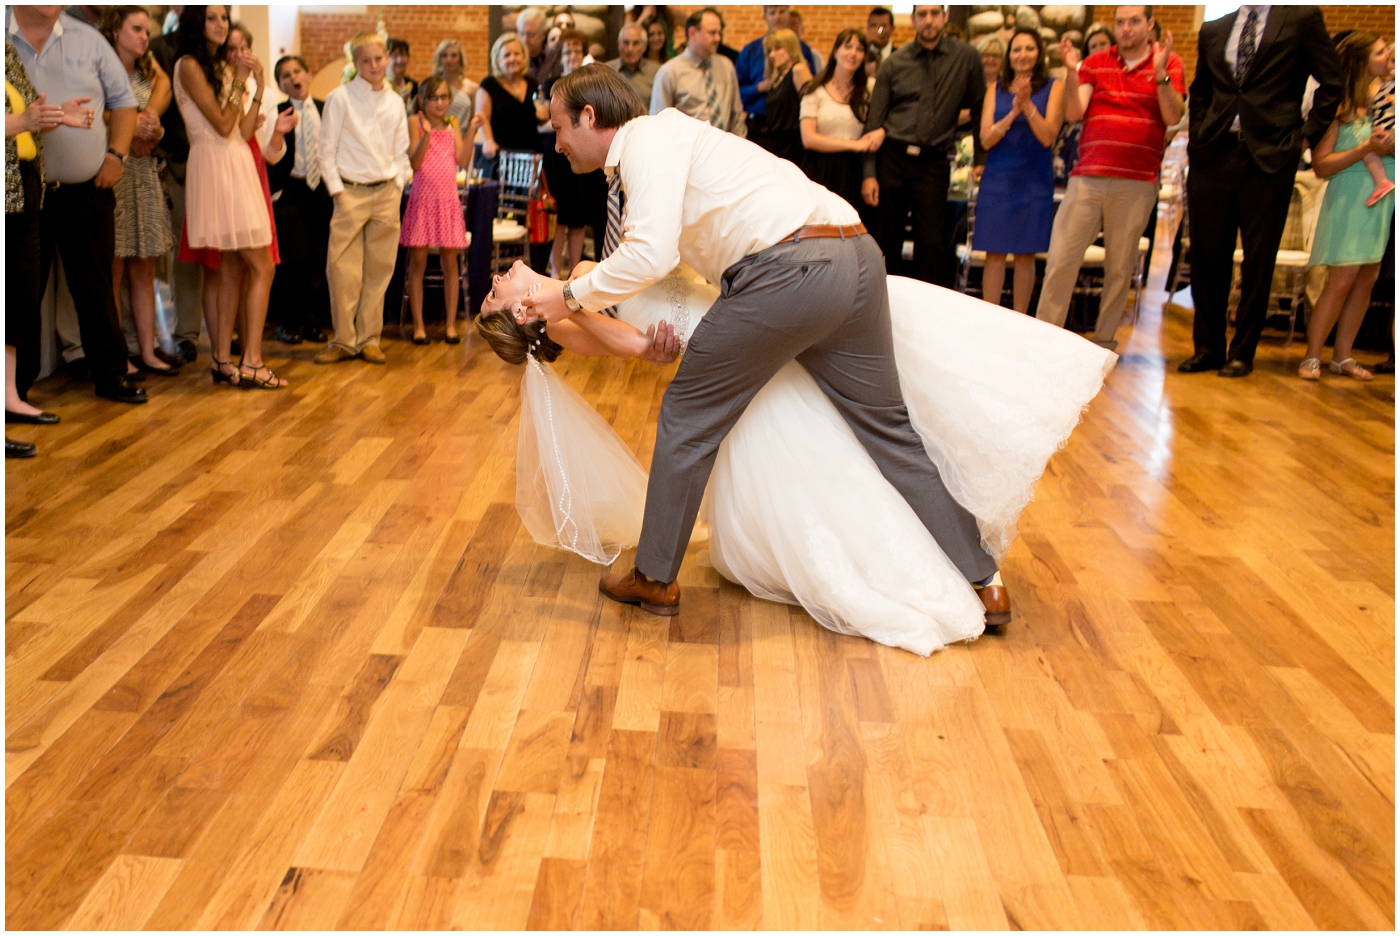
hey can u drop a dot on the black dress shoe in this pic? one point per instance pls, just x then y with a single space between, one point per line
286 336
1200 361
123 391
452 339
1385 367
15 449
187 350
174 360
420 339
39 419
1237 369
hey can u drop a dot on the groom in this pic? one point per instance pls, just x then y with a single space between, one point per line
799 277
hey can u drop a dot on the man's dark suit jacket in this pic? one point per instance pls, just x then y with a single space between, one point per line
1294 45
175 145
279 172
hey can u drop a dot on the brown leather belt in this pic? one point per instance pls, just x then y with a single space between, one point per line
824 230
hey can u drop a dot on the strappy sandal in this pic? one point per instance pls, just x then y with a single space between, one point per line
1350 368
219 375
249 381
1310 369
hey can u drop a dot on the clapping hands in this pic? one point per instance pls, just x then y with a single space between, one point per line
1161 51
1069 54
1021 94
40 116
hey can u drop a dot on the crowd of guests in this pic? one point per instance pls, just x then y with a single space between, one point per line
175 147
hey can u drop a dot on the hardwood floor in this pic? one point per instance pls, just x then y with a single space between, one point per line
289 660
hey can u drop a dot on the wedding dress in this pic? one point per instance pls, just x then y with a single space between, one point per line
797 510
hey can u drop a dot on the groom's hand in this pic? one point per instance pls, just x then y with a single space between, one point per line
546 302
665 344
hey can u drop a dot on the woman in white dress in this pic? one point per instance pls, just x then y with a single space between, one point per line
225 208
797 510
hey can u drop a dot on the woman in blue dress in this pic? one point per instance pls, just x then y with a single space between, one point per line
1021 119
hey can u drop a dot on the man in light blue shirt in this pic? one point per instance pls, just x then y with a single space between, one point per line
66 58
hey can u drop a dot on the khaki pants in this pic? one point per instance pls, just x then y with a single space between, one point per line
1120 207
359 262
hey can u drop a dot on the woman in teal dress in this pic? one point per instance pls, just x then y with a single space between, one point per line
1351 237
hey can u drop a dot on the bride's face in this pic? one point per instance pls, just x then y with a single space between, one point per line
508 288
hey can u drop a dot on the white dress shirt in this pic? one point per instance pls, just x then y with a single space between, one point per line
307 118
1232 42
364 136
697 194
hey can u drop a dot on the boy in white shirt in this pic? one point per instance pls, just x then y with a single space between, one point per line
363 152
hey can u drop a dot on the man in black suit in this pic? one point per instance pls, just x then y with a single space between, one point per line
301 207
1247 135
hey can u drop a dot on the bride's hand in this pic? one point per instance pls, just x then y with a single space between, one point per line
665 344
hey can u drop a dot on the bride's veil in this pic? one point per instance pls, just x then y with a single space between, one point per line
577 487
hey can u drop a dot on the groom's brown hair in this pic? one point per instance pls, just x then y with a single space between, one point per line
612 98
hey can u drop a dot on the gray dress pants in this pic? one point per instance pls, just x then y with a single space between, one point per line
824 302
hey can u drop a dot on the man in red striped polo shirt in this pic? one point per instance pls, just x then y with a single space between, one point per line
1127 97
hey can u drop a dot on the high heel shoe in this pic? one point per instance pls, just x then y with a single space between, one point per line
219 375
249 381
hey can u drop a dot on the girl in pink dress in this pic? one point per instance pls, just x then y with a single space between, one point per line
437 146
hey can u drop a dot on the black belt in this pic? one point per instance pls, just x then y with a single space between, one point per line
932 152
366 184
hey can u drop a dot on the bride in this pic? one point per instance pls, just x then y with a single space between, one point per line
797 510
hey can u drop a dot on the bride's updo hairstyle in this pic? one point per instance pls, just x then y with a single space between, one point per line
512 341
612 98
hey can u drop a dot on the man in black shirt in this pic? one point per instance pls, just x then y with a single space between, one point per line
918 92
187 283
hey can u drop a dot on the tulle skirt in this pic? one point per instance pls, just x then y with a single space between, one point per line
798 511
224 203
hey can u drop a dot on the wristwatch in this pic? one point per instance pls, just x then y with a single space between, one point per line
120 156
570 302
1165 81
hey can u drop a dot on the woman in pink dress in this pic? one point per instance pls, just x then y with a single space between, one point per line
437 146
225 206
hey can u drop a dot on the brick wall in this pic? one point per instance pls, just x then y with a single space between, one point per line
324 34
1378 19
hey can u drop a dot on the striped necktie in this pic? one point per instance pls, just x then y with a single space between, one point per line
711 101
1245 56
613 236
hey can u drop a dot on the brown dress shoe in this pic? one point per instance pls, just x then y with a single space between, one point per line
333 354
372 353
997 601
631 587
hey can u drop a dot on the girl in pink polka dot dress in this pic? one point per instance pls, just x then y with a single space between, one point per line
437 146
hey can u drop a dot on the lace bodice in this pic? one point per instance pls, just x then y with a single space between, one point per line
197 126
681 298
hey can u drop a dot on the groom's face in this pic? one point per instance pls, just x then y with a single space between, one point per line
584 147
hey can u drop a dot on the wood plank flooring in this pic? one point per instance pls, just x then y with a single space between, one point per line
289 660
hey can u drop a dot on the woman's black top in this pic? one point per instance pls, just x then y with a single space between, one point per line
513 122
